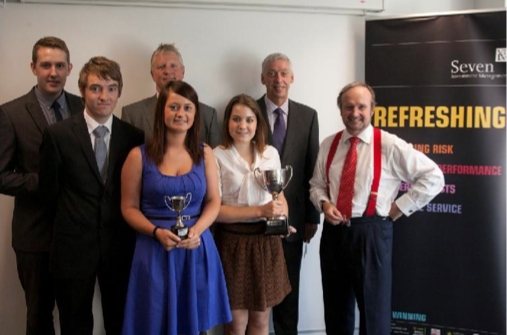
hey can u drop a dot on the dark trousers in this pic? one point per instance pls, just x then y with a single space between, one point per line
75 299
286 314
33 272
356 264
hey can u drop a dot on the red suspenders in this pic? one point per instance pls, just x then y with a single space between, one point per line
377 168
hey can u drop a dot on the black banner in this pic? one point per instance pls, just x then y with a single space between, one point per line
441 85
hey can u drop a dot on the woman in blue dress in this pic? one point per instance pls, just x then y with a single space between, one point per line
176 285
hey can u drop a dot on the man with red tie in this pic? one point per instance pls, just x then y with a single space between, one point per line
355 183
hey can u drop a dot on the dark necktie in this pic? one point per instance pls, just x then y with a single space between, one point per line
57 110
346 192
101 150
279 130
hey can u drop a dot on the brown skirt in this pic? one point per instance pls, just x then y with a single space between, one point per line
254 266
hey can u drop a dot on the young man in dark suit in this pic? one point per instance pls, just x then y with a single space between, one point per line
22 122
296 136
166 65
80 167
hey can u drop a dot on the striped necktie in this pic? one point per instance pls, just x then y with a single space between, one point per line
101 150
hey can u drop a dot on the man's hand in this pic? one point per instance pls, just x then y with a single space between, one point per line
332 214
395 213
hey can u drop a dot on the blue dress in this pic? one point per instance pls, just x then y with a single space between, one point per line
179 291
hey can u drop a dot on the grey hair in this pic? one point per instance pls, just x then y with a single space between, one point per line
165 48
275 56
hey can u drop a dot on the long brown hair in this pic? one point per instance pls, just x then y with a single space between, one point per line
259 138
155 148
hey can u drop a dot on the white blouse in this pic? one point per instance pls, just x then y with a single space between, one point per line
238 184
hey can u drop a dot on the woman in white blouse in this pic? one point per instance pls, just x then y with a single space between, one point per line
254 265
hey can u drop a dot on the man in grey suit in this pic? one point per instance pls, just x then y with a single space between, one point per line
22 122
167 65
296 136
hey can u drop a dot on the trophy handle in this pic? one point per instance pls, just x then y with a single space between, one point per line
168 204
258 171
187 200
289 168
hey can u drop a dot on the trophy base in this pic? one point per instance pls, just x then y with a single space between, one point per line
277 226
181 232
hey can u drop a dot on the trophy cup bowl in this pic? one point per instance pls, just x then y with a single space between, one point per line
178 204
275 181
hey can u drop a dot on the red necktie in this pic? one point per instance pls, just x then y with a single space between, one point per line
346 192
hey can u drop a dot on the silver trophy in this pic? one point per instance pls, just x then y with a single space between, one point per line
275 181
178 204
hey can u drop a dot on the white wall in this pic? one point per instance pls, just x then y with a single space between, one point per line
488 4
222 51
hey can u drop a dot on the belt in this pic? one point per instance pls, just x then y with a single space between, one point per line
244 228
169 218
363 220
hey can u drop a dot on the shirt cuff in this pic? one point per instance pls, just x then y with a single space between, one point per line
406 205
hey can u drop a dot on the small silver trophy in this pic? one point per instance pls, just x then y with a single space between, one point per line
178 204
275 181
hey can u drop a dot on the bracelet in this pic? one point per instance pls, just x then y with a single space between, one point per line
154 232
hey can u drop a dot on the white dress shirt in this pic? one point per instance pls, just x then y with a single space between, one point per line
400 162
238 184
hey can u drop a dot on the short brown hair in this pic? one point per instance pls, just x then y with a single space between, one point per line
155 148
103 68
259 138
49 42
357 84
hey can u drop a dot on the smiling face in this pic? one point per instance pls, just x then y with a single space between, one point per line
166 67
242 124
100 96
356 109
179 113
51 69
277 77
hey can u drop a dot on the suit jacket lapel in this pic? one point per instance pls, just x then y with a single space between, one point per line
115 144
35 111
262 105
149 114
293 124
80 129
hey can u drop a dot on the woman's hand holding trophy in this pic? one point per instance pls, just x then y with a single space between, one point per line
275 181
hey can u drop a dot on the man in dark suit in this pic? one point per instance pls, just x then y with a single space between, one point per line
167 65
296 136
22 122
80 167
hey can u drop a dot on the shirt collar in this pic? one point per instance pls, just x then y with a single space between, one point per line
44 101
92 124
271 106
365 136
